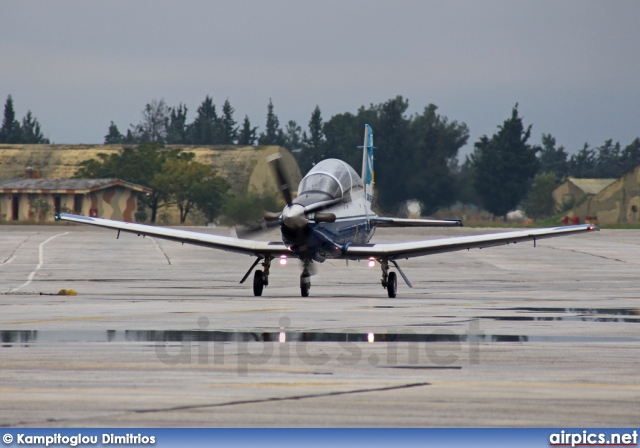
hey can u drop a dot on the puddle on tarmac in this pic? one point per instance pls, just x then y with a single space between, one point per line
572 314
590 311
9 338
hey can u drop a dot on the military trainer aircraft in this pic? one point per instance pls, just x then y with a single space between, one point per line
331 218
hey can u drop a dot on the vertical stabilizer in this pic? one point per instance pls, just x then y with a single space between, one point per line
368 176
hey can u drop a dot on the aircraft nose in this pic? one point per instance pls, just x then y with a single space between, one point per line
293 216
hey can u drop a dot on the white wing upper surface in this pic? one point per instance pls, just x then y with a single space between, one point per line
390 251
249 247
395 251
404 222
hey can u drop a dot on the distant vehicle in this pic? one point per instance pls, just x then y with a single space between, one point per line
331 218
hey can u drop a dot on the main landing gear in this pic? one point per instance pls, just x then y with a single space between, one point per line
389 279
261 278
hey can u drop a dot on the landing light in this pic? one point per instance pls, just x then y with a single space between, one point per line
283 260
371 337
372 262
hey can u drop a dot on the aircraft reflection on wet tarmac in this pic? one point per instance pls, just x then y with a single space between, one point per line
9 337
25 337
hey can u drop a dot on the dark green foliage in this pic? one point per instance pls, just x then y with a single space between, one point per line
465 183
552 159
177 126
505 164
153 126
312 143
172 174
395 149
435 143
205 129
249 209
272 135
583 164
412 157
189 184
293 138
631 155
210 195
609 160
415 155
113 135
540 203
343 134
228 128
606 161
10 131
140 165
247 135
30 130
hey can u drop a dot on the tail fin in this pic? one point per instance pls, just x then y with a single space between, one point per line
367 163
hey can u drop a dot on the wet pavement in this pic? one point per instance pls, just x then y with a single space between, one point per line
161 334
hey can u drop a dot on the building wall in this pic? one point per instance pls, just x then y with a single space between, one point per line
619 203
116 202
567 192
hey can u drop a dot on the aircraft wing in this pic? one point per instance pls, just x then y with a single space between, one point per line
248 247
395 251
402 222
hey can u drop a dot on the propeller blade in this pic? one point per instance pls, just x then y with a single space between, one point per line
272 216
281 178
253 230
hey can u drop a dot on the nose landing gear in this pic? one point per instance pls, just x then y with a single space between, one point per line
305 279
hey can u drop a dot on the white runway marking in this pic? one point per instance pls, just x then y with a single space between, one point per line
40 261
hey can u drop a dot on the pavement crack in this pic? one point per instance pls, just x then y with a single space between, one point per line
274 399
161 249
587 253
12 257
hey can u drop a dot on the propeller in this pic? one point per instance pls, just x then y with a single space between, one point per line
294 216
275 161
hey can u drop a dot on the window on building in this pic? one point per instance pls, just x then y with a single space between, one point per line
77 204
15 207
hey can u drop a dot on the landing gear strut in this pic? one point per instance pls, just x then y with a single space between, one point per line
389 279
305 279
261 278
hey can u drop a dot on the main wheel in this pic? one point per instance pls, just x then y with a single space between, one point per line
258 283
392 284
305 285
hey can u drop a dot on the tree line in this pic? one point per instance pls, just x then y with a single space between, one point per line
14 131
416 156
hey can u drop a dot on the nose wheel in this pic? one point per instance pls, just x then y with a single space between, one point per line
305 285
305 280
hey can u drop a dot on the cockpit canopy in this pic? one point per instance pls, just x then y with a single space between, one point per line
329 180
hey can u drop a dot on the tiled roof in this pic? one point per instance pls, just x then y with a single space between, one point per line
591 186
64 185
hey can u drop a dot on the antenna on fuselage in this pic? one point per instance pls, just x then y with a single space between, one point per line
368 177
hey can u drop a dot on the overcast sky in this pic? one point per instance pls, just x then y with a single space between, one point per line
573 66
